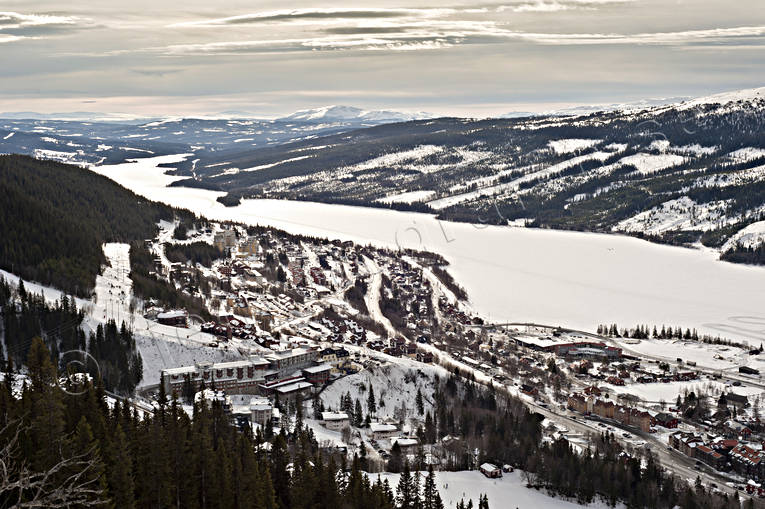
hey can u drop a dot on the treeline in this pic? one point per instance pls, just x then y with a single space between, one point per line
666 332
448 281
119 364
54 218
355 296
195 252
25 316
748 255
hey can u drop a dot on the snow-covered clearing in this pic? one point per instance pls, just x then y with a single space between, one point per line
746 154
372 297
651 163
750 236
507 492
398 158
680 214
407 197
513 185
705 355
160 346
668 392
395 386
736 178
571 145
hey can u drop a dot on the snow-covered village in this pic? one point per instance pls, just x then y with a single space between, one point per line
357 344
380 254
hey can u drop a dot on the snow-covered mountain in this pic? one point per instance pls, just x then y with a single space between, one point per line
680 173
335 113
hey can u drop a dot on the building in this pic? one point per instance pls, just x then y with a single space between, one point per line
710 457
335 421
174 318
225 239
586 350
286 362
605 409
261 411
747 461
666 420
577 403
251 376
739 400
294 390
407 445
251 246
243 376
317 375
208 396
490 470
381 431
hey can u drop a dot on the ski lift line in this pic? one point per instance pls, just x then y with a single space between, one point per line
20 347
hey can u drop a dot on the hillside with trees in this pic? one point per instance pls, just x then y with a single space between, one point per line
54 218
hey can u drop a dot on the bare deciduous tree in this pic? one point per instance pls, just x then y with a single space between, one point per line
68 483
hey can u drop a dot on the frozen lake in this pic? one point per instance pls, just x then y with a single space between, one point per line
572 279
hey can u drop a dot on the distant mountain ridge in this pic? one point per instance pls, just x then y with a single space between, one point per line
335 113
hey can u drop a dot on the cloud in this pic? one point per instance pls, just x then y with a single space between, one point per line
680 38
9 38
15 26
13 20
314 15
436 34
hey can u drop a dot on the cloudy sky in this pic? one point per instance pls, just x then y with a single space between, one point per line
172 57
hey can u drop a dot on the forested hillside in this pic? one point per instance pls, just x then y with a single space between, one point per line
77 452
54 218
680 174
25 316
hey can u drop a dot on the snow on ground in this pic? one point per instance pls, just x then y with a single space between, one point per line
372 297
513 185
395 386
407 197
750 236
651 163
398 158
746 154
660 145
507 492
51 295
668 392
571 145
325 437
705 355
735 178
695 149
680 214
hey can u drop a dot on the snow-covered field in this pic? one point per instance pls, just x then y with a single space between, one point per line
517 274
508 492
408 197
680 214
390 385
571 145
704 355
651 163
656 392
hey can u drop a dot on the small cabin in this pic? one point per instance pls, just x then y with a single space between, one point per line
491 471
